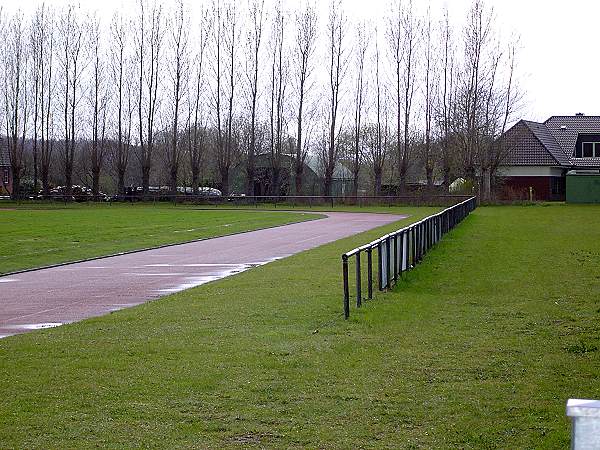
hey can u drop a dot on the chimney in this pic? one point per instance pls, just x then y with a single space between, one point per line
580 114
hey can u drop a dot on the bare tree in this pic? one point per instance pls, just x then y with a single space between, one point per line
278 86
253 43
179 68
376 135
429 101
225 35
196 121
410 31
502 102
98 99
485 103
361 46
46 101
36 50
403 35
15 62
336 29
149 40
122 85
447 100
477 36
306 34
71 35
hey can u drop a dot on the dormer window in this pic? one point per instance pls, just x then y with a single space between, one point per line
588 150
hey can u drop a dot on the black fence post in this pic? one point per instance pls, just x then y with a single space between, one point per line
358 281
395 258
346 288
412 247
370 272
419 242
388 245
380 265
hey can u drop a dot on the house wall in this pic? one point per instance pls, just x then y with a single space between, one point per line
544 188
5 187
531 171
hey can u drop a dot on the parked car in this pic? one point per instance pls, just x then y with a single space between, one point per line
78 194
209 192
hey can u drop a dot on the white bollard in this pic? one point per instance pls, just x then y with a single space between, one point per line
585 415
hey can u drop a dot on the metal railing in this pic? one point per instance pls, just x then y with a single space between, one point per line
400 251
305 201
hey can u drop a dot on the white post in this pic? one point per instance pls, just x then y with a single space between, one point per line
585 415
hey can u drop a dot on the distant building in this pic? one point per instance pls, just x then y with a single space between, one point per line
540 155
5 173
312 178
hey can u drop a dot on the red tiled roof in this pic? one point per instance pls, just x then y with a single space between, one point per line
551 143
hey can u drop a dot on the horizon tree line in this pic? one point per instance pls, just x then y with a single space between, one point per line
161 94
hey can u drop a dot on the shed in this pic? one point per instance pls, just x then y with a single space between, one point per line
583 186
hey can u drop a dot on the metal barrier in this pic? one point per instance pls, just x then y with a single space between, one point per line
400 251
302 201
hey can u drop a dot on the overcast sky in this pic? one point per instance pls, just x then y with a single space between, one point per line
559 41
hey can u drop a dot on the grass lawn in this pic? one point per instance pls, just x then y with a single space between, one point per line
35 236
479 347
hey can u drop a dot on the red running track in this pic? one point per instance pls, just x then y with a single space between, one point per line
51 297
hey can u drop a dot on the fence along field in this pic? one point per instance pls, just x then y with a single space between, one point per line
400 251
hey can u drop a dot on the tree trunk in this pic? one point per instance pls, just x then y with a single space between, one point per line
327 183
145 178
68 178
35 162
378 177
429 175
298 172
225 181
355 181
121 181
16 186
95 181
173 179
45 182
487 184
195 180
275 185
250 172
402 172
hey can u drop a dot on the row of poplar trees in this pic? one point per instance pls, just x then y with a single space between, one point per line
173 90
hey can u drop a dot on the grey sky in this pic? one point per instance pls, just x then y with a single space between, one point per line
557 40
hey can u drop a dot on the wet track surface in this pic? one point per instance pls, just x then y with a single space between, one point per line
50 297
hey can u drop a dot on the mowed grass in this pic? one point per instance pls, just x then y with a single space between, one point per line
479 347
37 236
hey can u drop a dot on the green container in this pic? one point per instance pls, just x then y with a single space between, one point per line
583 187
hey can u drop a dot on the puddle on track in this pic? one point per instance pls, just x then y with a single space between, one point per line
194 281
34 326
8 280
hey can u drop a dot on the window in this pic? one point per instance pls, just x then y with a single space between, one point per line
557 186
5 179
588 150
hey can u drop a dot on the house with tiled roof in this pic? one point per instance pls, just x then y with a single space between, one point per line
5 172
539 155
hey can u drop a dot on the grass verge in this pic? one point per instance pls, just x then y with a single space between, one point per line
479 347
40 237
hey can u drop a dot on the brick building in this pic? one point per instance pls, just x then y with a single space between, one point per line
540 155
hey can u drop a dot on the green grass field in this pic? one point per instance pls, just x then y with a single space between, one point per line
35 236
479 347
